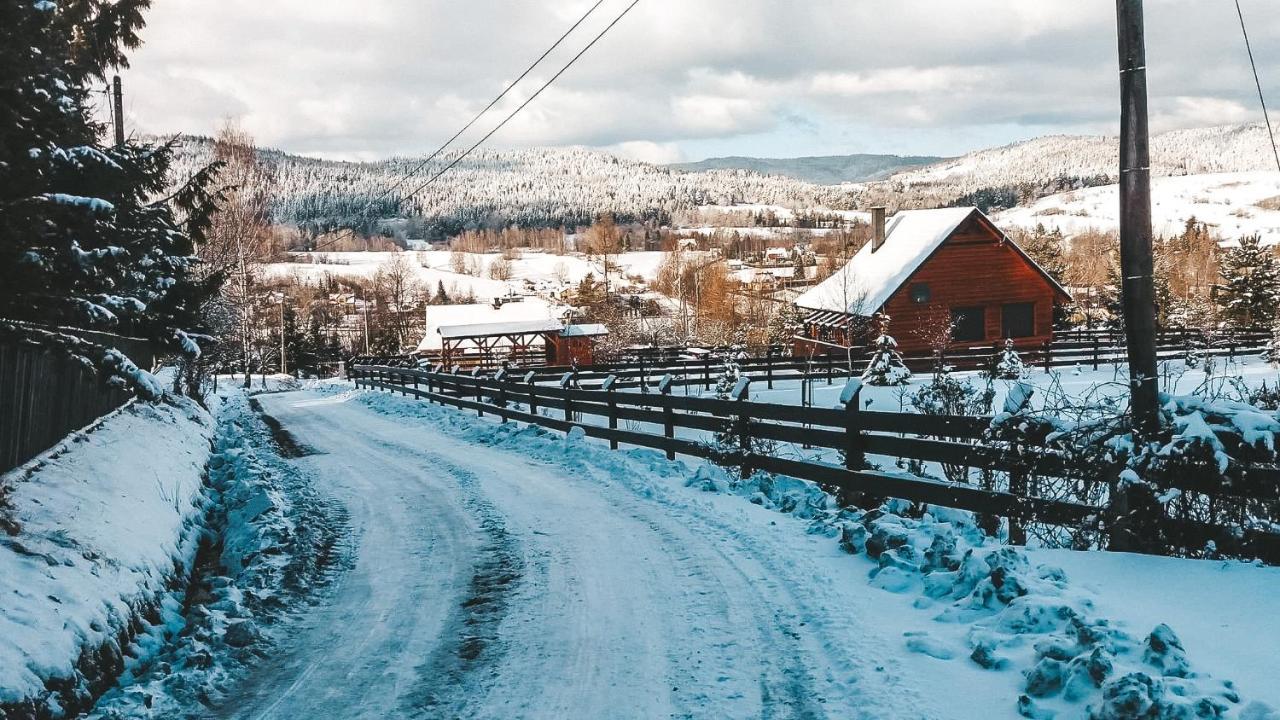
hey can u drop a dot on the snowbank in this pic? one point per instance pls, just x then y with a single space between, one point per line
106 521
275 542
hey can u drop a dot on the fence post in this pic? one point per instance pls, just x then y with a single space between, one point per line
475 381
706 371
668 414
607 386
533 394
566 383
738 394
851 399
1048 357
768 366
1097 346
501 378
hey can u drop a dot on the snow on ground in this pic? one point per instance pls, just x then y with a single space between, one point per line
541 272
1227 202
104 519
764 614
278 543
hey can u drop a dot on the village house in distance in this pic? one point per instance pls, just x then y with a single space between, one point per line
929 270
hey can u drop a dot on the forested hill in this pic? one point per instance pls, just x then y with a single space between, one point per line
532 187
824 169
551 187
1022 172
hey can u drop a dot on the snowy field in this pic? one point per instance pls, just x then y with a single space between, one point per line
539 272
1232 204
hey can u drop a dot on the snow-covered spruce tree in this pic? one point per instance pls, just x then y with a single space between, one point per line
886 366
85 239
1250 291
1008 364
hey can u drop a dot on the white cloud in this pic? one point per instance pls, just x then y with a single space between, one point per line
650 152
384 77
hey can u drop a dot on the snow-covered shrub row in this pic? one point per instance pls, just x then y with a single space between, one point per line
270 542
1210 443
1020 617
103 528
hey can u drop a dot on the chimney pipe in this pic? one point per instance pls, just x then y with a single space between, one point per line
877 226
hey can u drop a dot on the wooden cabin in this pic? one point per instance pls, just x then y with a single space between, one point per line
935 273
575 344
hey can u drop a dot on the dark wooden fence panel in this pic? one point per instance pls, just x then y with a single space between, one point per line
44 396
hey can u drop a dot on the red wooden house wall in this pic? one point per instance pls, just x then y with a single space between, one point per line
972 268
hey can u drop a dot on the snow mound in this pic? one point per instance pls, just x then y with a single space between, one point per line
105 520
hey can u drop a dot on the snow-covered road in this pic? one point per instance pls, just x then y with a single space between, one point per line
488 584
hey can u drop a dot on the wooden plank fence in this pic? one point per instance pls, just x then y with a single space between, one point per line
851 429
44 396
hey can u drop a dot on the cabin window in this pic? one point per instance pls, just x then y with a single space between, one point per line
920 293
1018 320
968 324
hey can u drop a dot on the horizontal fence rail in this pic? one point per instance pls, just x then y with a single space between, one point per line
849 432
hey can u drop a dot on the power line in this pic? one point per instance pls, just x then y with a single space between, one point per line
1265 115
487 108
531 98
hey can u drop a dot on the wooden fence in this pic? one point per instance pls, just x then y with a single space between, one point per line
1091 349
44 396
851 430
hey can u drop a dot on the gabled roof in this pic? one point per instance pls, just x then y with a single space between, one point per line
867 282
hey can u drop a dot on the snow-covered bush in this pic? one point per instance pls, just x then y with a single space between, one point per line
1193 475
1007 364
945 395
886 366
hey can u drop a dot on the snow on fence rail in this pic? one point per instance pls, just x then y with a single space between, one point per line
852 431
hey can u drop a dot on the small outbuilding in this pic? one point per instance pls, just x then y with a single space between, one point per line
946 276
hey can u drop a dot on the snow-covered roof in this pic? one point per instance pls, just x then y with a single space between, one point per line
584 330
438 316
511 327
871 278
867 282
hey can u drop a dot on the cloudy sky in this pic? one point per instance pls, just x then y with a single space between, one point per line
686 79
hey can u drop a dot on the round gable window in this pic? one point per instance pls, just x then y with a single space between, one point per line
920 293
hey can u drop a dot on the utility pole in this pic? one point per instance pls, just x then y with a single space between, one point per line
1136 264
284 367
117 103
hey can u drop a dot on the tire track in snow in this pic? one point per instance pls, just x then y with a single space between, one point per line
456 671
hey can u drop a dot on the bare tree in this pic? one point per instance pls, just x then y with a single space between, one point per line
239 238
399 295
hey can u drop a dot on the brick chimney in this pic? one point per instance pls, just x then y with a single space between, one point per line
877 227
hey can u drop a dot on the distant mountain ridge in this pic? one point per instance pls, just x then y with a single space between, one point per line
819 169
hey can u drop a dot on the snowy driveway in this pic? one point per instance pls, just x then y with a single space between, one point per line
487 584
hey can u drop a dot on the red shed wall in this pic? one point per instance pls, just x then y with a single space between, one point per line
971 268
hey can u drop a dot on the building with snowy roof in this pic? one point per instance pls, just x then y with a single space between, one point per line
933 272
522 331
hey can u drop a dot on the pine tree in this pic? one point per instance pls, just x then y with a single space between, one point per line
785 325
1250 284
886 366
83 241
441 297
